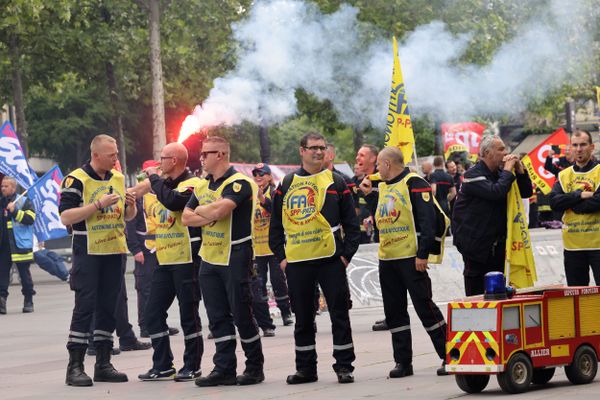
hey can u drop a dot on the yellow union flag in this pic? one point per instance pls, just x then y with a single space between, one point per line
520 265
398 130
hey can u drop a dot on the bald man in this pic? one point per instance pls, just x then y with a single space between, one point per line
405 216
177 248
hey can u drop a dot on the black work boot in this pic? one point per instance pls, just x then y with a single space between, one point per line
2 305
28 306
103 369
76 375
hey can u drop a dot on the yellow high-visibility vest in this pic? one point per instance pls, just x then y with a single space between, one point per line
580 231
216 237
309 235
151 220
262 222
173 242
397 233
105 229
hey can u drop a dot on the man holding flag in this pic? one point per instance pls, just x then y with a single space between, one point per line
479 218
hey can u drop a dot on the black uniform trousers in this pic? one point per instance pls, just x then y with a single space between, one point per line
269 265
397 277
142 273
24 274
228 301
260 302
123 328
96 281
475 270
168 282
331 275
577 266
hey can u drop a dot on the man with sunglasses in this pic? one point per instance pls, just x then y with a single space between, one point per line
310 209
178 263
264 259
223 206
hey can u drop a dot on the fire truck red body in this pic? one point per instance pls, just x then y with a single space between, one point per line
524 338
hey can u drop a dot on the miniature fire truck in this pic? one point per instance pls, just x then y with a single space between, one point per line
523 338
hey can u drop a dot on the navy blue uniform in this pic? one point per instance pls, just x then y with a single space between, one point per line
479 221
226 289
329 273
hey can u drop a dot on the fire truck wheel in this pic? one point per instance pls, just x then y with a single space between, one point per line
517 375
584 367
472 383
541 376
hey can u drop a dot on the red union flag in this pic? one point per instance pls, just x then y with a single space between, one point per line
535 160
462 137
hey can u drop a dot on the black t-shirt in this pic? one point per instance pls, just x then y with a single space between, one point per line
443 183
238 191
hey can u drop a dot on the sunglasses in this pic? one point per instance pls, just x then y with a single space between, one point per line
315 148
258 173
206 153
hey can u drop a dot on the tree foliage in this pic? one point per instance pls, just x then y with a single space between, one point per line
65 45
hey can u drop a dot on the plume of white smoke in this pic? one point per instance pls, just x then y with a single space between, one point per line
288 44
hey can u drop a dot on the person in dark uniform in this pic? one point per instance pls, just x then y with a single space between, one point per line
224 206
577 194
366 167
427 170
178 263
310 209
141 241
442 185
128 341
94 202
16 242
479 215
457 178
266 263
562 163
403 258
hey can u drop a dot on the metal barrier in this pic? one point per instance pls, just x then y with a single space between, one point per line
447 278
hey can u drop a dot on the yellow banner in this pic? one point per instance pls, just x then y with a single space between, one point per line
520 265
398 130
535 178
598 96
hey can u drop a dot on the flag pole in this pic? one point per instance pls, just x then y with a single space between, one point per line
414 146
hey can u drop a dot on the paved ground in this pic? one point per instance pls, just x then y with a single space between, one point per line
33 360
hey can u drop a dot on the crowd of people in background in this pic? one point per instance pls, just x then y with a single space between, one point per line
220 236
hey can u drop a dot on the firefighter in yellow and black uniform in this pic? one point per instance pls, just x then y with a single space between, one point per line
94 202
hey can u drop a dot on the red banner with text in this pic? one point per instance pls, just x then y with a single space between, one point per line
534 162
462 137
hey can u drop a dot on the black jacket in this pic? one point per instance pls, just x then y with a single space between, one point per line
555 169
337 210
479 214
